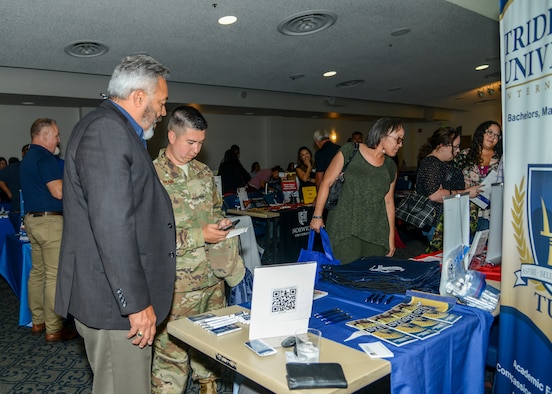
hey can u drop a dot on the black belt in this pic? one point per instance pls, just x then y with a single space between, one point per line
39 214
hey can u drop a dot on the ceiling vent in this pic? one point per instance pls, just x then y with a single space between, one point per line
350 84
86 49
308 22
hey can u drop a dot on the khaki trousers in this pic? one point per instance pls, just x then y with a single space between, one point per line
45 235
118 366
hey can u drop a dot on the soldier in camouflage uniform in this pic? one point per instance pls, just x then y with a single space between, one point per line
205 258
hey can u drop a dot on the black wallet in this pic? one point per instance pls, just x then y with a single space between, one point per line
315 375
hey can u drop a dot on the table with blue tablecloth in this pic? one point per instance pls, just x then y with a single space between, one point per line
15 265
5 229
453 361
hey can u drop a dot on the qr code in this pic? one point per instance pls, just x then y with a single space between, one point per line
284 300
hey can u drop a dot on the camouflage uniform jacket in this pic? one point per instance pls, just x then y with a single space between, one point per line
196 202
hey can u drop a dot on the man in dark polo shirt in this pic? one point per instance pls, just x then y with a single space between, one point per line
325 153
41 186
10 183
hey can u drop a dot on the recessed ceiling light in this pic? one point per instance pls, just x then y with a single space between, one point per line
227 20
27 102
400 32
329 73
482 67
86 49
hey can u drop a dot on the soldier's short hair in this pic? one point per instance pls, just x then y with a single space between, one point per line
186 117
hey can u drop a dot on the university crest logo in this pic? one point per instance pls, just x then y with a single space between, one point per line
302 217
535 255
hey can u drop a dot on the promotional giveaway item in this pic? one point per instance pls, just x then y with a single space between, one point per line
467 285
385 275
321 258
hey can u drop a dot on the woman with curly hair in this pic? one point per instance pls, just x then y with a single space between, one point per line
476 162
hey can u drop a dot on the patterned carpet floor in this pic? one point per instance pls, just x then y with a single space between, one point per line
29 364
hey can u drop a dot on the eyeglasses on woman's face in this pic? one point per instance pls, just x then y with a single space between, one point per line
491 134
455 147
399 140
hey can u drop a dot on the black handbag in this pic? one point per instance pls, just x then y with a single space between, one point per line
418 210
337 186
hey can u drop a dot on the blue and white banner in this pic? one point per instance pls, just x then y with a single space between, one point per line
525 348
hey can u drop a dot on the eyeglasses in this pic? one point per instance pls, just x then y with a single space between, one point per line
399 140
493 135
455 147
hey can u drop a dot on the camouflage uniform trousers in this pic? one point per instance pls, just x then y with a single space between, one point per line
172 358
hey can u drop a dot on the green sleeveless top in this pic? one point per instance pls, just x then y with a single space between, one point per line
361 209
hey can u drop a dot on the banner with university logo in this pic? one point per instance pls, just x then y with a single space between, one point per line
525 348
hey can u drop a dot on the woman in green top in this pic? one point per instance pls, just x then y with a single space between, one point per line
363 223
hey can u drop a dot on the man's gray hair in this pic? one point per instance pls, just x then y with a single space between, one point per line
321 135
136 72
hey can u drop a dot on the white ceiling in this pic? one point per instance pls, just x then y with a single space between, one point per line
432 66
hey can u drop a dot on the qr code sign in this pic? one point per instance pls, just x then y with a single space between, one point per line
284 300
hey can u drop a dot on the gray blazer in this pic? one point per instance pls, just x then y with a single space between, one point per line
118 246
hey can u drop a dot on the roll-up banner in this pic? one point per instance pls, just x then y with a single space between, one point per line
525 350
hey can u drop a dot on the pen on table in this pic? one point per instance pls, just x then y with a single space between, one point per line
328 312
379 298
219 324
216 318
342 318
334 316
232 319
370 297
388 300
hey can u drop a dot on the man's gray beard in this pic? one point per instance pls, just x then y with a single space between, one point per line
148 133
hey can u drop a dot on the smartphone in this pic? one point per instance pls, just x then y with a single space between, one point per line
260 348
232 225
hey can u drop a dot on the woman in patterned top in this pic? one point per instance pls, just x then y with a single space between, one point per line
476 162
437 178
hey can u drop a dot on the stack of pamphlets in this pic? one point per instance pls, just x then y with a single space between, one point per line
220 325
416 319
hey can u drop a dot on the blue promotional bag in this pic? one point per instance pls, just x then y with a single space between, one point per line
321 258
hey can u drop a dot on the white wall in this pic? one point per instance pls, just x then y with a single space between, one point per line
268 140
17 120
418 133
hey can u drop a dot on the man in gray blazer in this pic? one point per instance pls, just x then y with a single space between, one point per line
117 264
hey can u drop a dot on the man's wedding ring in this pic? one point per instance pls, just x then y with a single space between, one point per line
140 334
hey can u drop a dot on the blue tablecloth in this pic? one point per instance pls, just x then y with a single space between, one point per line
15 265
5 229
451 362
